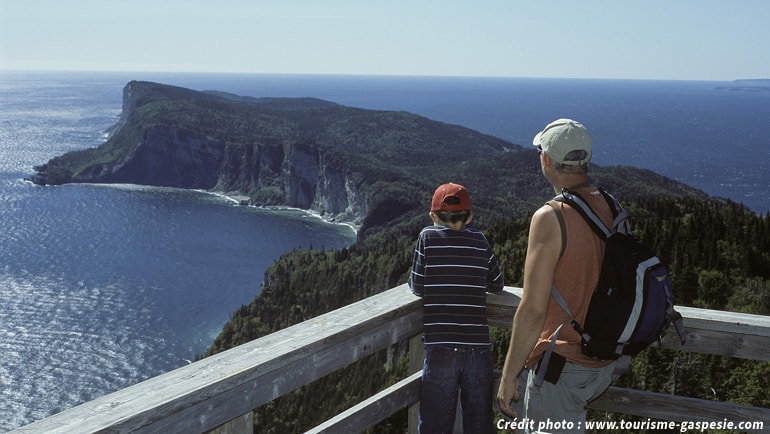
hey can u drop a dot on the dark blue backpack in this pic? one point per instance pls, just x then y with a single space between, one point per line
633 302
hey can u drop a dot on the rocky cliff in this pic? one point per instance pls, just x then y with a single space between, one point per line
298 152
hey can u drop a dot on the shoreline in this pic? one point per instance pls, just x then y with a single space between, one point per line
238 199
243 200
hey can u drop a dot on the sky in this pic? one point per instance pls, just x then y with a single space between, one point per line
651 39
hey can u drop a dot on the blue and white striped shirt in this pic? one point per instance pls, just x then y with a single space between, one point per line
453 270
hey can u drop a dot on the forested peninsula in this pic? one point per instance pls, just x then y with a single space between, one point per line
377 170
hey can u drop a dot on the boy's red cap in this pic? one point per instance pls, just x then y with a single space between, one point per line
450 190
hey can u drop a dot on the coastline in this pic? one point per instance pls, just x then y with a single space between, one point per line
243 200
239 199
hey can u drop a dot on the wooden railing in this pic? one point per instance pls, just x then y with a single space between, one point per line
220 392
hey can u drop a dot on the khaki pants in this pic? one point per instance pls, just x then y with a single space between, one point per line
561 407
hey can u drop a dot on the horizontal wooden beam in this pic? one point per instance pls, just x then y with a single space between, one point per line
722 333
678 408
375 409
715 332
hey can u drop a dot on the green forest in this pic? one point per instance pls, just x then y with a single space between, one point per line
718 253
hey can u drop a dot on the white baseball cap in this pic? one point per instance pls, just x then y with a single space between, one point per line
561 137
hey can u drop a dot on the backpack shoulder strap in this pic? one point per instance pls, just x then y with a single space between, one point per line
545 361
582 207
620 224
551 345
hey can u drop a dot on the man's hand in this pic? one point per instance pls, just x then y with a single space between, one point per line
507 393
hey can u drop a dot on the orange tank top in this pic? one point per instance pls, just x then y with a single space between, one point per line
576 276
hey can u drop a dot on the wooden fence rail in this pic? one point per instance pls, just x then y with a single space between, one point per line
222 388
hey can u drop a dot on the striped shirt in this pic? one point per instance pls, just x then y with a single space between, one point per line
453 270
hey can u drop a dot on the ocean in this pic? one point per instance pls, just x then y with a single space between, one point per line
103 286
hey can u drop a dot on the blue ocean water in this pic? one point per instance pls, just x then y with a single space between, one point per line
104 286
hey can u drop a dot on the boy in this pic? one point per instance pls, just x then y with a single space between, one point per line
452 270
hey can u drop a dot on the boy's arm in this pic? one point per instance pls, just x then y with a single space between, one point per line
417 276
495 281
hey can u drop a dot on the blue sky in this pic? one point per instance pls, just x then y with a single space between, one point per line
656 39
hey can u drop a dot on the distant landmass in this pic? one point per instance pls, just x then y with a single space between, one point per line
366 167
750 85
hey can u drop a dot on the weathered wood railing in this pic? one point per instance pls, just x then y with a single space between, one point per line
225 388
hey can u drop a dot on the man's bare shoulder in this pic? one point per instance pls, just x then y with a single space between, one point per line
545 223
544 215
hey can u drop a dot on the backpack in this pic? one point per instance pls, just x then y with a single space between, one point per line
633 302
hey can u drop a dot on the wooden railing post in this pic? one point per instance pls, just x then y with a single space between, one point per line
416 357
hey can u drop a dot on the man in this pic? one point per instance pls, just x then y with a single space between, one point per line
566 254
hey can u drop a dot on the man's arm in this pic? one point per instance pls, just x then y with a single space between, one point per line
543 248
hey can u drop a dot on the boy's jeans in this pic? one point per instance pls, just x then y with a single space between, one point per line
445 370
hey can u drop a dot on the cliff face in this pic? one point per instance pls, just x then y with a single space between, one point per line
294 175
291 174
166 156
